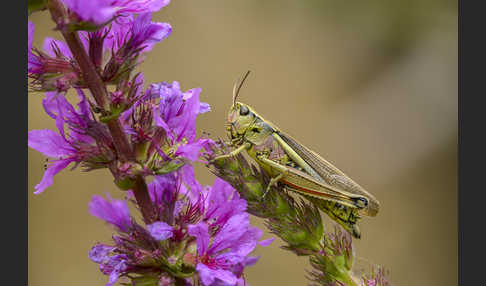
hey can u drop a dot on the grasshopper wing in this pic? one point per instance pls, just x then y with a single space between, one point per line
330 174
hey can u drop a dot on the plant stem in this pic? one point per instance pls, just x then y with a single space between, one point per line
140 191
98 90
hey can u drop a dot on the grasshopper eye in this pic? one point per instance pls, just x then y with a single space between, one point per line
244 110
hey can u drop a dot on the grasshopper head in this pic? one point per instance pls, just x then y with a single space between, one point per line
240 119
243 122
239 115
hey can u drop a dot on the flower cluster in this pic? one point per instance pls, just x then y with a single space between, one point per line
160 124
115 50
203 230
190 234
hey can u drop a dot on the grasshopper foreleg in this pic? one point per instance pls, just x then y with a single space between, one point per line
235 152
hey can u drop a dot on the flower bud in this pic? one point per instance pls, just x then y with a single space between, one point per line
125 183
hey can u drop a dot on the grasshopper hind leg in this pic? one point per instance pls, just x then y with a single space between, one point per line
272 182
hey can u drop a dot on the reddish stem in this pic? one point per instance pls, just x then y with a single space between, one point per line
98 90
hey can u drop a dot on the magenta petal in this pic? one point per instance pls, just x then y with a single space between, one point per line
230 233
208 275
146 33
97 11
83 104
161 123
205 274
224 202
50 104
187 173
267 242
49 143
204 107
187 129
200 232
30 35
161 31
156 5
247 242
190 151
49 174
116 273
115 212
160 230
51 45
251 260
100 252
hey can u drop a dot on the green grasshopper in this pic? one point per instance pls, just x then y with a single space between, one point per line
295 166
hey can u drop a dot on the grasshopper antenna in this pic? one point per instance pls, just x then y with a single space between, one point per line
237 86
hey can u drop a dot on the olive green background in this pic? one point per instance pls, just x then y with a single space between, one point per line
370 85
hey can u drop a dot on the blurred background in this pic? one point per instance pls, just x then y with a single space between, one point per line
370 85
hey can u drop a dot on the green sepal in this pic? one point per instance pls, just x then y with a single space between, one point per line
115 113
83 26
147 280
255 188
36 5
301 240
125 184
171 166
282 206
141 151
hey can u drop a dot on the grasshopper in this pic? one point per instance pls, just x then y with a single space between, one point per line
297 167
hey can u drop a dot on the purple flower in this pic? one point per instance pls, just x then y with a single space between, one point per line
177 110
145 33
139 35
128 39
52 69
222 203
114 266
162 189
109 264
63 147
172 113
175 190
217 259
176 114
114 212
160 230
215 216
99 252
101 11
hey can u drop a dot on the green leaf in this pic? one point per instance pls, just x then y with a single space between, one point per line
36 5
